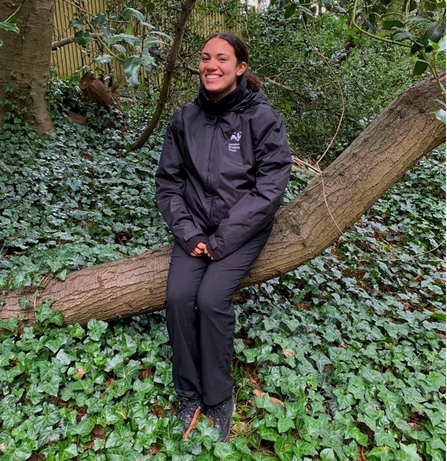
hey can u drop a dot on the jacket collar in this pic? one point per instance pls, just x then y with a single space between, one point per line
233 101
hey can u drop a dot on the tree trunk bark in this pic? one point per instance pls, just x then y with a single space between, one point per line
25 61
187 7
403 133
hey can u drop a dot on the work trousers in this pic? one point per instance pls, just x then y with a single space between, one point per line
201 318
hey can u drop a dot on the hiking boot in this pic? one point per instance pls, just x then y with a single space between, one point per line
187 410
220 417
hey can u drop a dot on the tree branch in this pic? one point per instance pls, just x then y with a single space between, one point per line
403 133
181 25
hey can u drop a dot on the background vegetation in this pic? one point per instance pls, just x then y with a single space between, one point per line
341 359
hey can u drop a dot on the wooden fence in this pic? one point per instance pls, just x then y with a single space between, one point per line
72 58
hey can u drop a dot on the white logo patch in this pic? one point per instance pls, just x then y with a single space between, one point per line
235 145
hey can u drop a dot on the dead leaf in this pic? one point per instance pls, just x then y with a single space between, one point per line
259 394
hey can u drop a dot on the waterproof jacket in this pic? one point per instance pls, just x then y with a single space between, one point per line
223 170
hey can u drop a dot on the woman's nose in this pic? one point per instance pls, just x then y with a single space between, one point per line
211 64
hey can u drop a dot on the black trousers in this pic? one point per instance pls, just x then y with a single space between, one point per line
201 318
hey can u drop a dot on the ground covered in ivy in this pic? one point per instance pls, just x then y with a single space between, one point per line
340 359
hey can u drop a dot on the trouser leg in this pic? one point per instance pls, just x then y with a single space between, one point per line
185 275
217 318
201 319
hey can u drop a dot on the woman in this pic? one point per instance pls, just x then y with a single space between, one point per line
223 170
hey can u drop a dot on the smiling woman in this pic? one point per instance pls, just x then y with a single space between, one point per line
222 174
219 68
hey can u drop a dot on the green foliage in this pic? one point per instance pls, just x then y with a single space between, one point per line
74 199
318 74
341 358
15 104
353 343
419 26
10 23
122 34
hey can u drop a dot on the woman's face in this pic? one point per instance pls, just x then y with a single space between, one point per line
219 69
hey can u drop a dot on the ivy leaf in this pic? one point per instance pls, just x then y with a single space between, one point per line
284 448
76 24
344 400
123 453
23 451
304 448
327 455
163 373
309 428
100 19
50 387
121 435
407 453
96 329
358 436
284 424
46 315
113 362
83 38
381 454
69 452
226 451
250 355
83 428
267 433
9 324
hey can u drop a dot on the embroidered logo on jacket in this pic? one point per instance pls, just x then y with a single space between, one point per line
234 144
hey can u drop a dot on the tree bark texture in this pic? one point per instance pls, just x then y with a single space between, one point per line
25 60
403 133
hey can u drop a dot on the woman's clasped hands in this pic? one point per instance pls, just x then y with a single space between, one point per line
201 249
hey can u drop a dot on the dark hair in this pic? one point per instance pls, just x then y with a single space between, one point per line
241 53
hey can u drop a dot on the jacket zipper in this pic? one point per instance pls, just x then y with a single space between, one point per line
209 172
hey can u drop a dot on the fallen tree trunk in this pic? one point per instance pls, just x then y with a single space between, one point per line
403 133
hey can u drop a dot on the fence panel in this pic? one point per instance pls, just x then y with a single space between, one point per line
71 58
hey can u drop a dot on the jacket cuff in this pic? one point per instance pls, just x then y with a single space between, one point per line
194 241
212 253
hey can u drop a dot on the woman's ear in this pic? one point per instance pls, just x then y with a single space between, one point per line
242 67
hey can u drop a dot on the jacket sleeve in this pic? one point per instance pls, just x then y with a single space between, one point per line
170 184
256 210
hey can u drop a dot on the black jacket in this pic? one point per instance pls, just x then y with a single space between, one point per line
223 170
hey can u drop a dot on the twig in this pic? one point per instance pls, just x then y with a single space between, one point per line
314 170
195 418
316 47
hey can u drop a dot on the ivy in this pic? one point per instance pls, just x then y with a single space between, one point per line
340 359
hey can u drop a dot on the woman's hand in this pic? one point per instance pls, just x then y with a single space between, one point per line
199 250
208 253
